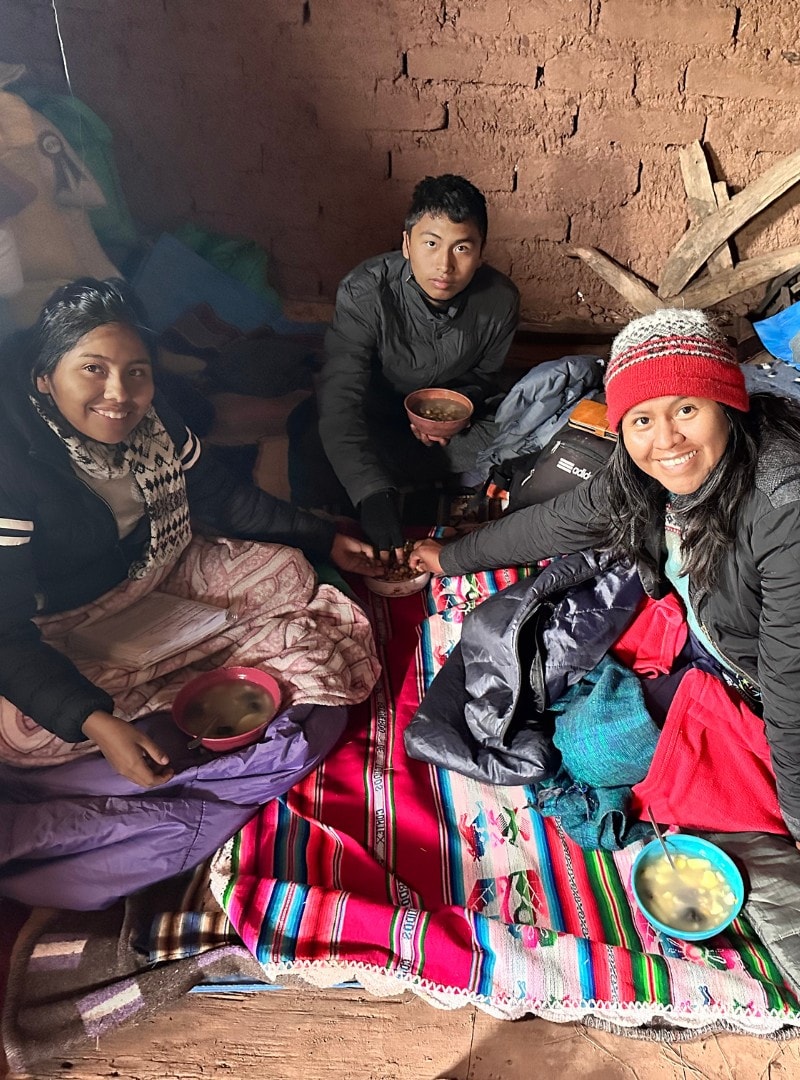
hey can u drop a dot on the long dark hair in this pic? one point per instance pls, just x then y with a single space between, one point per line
708 516
78 308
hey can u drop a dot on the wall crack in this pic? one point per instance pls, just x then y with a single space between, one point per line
737 18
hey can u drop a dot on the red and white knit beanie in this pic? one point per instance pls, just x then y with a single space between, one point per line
671 352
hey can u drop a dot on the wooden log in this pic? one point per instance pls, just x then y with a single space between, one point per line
708 291
630 287
745 275
702 196
703 238
722 196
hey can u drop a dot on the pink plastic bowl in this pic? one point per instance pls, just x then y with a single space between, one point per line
204 682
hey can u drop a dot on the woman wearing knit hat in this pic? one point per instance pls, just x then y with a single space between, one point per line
703 490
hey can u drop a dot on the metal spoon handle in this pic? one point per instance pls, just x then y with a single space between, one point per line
660 838
204 732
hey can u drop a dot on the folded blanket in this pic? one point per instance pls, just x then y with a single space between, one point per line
712 767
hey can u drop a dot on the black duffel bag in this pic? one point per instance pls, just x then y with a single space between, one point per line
572 455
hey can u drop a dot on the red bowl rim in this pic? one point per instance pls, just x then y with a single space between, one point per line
450 395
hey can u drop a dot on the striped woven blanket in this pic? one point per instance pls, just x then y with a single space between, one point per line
403 876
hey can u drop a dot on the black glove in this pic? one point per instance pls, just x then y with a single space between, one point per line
380 520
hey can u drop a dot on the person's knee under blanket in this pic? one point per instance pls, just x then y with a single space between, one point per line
83 834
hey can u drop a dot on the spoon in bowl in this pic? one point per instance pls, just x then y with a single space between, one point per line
660 838
205 731
684 894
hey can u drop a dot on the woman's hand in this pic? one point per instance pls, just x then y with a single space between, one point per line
133 754
425 556
355 556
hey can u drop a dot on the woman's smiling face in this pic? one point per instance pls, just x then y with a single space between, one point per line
103 386
676 440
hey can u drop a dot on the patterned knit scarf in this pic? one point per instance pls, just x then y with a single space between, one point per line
150 456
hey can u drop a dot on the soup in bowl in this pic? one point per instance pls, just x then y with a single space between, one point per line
694 899
227 708
439 412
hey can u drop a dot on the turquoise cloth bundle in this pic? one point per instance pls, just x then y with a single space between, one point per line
603 730
607 740
592 817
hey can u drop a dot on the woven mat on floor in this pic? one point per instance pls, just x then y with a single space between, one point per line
403 876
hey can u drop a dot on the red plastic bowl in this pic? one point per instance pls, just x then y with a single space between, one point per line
188 694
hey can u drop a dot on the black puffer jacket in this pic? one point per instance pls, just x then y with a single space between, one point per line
59 547
753 613
386 341
484 714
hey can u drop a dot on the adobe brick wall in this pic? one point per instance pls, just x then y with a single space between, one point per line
304 125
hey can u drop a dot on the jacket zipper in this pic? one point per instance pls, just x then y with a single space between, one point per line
747 683
99 497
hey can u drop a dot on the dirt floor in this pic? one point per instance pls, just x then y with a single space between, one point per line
317 1035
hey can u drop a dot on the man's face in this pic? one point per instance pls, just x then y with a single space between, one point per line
444 255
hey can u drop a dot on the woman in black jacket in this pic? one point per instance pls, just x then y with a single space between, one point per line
703 490
99 479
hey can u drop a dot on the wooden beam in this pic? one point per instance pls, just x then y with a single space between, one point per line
629 286
704 237
721 197
701 193
745 275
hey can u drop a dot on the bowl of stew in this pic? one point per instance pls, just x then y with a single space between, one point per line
440 412
696 899
227 708
398 581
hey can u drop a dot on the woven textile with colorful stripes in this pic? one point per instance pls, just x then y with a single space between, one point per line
404 876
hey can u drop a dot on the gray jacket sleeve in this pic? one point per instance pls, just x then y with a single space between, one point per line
221 503
350 347
776 548
558 527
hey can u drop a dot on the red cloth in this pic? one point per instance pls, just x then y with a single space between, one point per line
712 767
654 638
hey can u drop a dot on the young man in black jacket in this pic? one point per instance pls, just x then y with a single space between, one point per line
432 314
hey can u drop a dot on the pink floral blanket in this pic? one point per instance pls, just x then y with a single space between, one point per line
314 640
